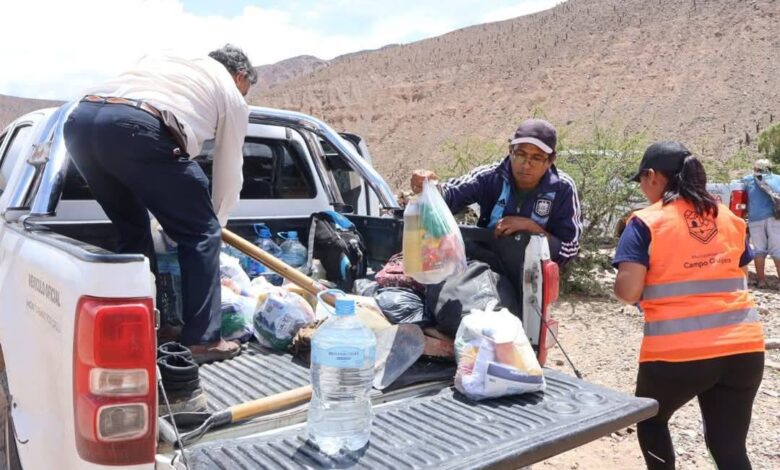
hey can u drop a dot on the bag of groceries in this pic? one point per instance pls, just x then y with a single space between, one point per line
233 276
280 314
494 356
238 312
432 245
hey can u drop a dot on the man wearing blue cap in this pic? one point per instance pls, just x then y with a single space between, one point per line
762 186
524 192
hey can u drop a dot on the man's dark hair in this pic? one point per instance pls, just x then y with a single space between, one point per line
235 60
690 184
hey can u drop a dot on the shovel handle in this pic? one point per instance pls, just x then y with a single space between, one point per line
270 404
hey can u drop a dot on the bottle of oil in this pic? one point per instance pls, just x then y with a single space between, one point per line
412 241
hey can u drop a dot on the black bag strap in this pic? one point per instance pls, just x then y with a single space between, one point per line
773 195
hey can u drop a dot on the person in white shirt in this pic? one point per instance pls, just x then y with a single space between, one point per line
132 138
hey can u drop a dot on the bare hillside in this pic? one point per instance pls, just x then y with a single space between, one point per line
704 71
12 107
268 76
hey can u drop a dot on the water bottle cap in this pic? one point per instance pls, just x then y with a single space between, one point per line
292 235
259 228
345 306
264 232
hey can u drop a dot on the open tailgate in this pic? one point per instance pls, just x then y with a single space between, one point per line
445 430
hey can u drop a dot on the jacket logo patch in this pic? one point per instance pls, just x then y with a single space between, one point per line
701 228
543 207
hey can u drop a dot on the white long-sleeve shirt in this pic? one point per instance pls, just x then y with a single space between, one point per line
204 98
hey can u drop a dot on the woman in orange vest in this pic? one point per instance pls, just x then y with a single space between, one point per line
683 260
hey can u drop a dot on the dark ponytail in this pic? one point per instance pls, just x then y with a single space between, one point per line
690 184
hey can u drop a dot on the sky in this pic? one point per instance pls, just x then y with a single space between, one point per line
52 49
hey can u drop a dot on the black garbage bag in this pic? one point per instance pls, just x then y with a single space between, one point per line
366 287
454 298
402 305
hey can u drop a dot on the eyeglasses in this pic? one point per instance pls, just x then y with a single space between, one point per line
518 156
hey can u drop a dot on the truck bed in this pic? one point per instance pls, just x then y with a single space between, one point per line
417 426
422 426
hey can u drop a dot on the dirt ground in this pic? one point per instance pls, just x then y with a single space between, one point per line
602 337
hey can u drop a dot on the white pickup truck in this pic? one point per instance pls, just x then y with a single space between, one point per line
78 319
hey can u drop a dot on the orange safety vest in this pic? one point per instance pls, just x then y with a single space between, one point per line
695 300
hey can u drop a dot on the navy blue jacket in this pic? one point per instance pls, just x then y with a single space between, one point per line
553 204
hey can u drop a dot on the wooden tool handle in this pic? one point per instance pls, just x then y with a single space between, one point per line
271 262
270 404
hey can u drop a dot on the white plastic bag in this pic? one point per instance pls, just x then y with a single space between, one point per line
280 315
432 245
232 275
366 309
494 356
238 313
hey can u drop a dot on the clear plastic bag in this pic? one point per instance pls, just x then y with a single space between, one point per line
232 275
280 315
432 245
366 309
494 356
237 315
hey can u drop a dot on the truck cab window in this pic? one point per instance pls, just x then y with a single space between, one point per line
19 139
349 183
273 169
76 187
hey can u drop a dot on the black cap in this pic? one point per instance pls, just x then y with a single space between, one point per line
538 132
666 156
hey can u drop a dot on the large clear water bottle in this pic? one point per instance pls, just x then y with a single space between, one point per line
343 351
293 252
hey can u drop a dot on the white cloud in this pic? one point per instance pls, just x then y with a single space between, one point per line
60 47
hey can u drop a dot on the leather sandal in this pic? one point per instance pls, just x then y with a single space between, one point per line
217 351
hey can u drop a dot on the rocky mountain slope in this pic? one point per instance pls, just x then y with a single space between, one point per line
12 107
703 71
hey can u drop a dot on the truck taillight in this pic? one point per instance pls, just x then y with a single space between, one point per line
550 283
114 393
738 203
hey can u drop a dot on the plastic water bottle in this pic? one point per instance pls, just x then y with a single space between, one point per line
169 283
265 243
343 351
293 252
318 272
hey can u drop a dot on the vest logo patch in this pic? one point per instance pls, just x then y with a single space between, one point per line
701 228
543 207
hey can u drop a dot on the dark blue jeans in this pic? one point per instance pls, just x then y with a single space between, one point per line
126 156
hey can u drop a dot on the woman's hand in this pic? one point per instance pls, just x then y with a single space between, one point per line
630 282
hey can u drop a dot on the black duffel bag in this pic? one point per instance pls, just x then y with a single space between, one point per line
454 298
